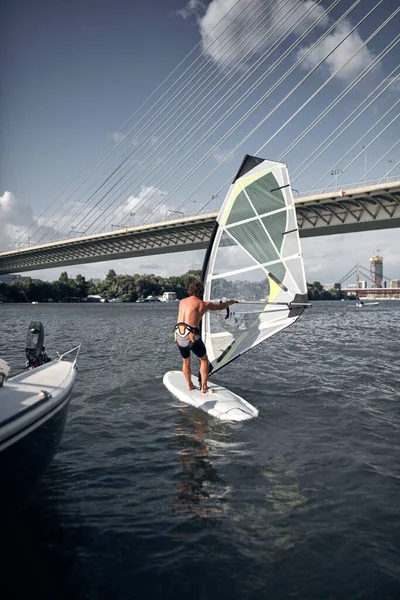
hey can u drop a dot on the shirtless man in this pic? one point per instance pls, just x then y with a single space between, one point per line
187 332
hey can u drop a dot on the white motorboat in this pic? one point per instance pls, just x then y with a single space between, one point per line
33 412
362 304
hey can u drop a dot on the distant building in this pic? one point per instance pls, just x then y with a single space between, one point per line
11 277
395 283
7 278
168 297
332 286
362 285
376 271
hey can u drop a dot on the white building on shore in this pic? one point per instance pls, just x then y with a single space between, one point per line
169 297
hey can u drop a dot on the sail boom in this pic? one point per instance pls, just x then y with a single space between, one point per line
305 304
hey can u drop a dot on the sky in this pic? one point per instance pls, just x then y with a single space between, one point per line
73 73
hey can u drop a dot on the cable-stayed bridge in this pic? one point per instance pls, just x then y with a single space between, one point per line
359 209
315 85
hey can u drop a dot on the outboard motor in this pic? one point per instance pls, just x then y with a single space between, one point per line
34 348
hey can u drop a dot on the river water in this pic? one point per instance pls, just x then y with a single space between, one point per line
148 498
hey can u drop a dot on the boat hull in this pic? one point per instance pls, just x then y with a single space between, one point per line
23 462
34 408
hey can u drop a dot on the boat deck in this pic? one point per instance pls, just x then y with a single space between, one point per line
24 391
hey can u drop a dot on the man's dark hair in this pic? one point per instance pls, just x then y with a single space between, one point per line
196 288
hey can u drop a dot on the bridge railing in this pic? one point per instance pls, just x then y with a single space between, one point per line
347 186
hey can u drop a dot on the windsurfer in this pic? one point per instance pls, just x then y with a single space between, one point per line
187 331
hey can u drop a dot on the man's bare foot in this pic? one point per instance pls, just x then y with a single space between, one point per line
191 387
206 390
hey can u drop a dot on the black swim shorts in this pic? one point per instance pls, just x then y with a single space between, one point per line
188 339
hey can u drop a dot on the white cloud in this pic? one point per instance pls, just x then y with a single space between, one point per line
117 136
394 85
137 207
224 37
315 268
59 225
344 51
221 155
15 218
228 33
193 7
296 9
153 266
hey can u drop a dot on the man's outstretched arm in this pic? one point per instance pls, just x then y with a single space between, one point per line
211 306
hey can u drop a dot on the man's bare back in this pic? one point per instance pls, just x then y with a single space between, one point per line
191 311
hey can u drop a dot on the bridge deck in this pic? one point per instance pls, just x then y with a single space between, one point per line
359 209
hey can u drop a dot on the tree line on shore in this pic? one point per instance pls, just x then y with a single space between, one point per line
127 288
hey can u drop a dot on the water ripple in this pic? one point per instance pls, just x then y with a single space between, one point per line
148 497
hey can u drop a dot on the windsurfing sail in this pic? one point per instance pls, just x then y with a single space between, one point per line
254 256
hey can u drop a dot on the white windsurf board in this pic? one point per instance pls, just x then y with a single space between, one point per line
221 403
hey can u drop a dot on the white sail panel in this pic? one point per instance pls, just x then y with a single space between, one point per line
255 258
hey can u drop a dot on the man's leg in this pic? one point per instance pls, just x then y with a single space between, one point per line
188 373
204 374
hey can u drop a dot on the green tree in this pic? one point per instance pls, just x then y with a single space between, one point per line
63 278
111 275
82 286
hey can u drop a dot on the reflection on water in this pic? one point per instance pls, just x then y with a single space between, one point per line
201 490
285 498
284 488
266 520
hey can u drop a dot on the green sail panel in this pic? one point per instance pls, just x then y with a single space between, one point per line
265 194
252 237
241 209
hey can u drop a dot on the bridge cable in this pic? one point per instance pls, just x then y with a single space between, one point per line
339 98
358 142
254 107
177 109
144 103
382 157
287 96
388 173
181 121
225 116
199 125
324 145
